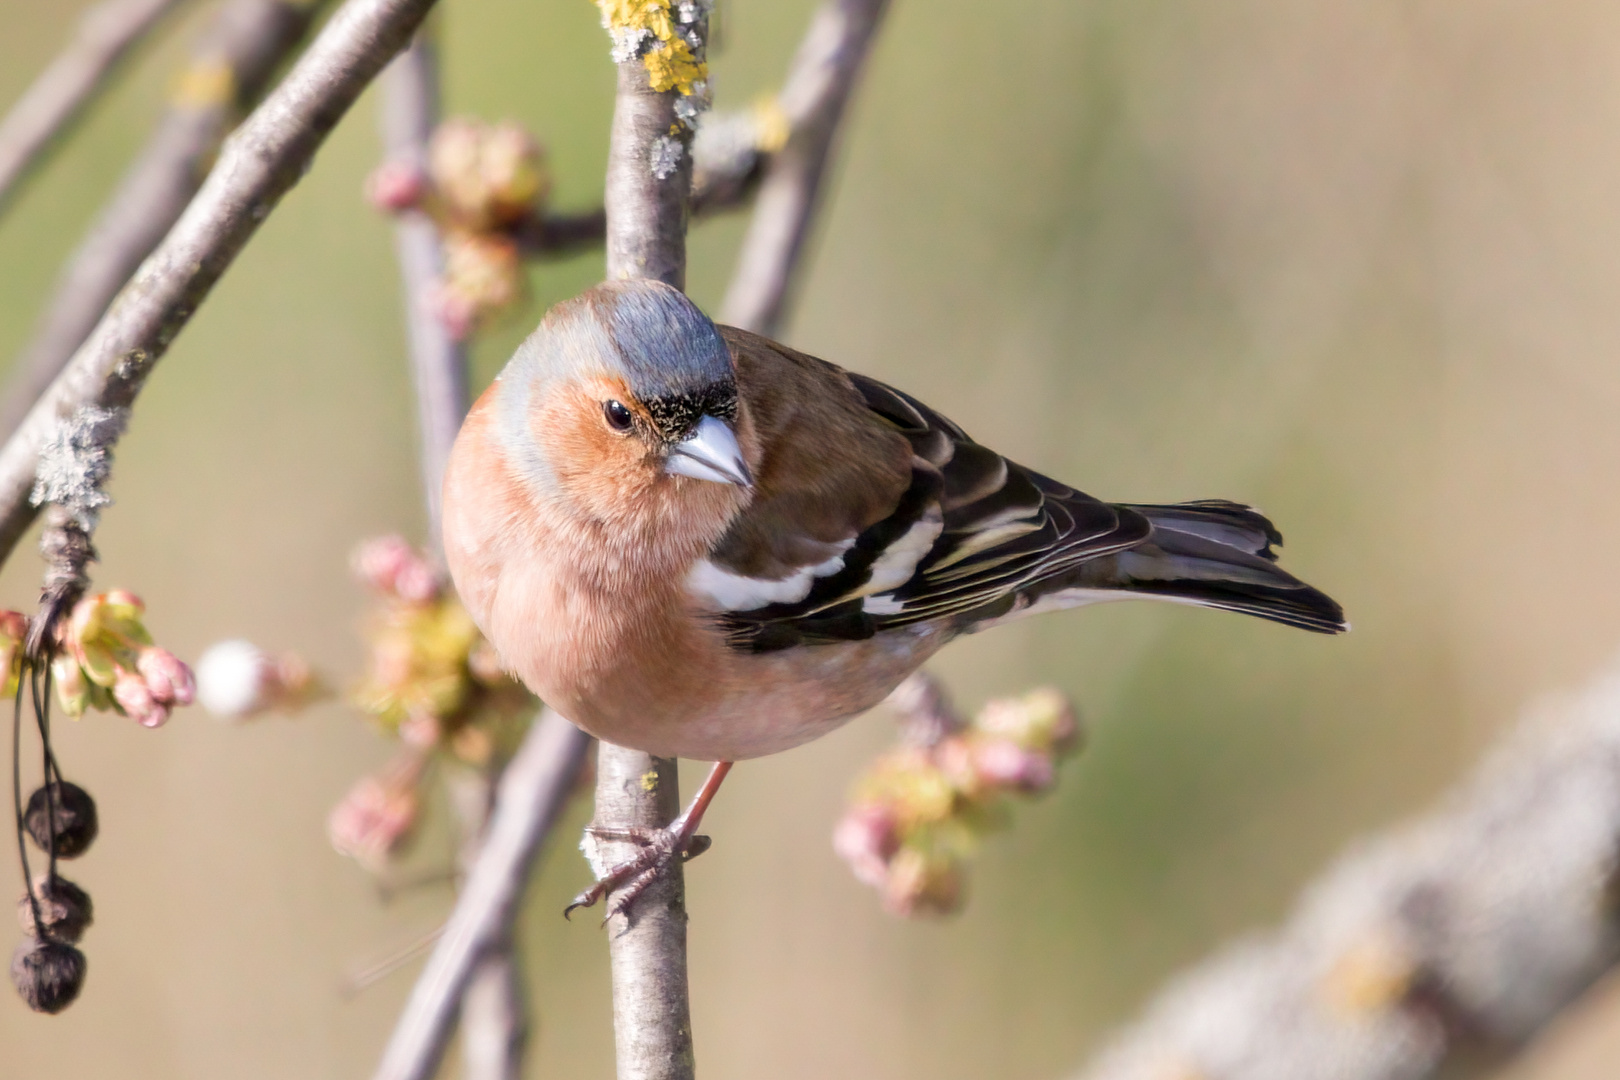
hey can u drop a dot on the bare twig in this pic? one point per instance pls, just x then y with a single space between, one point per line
259 163
410 110
48 108
494 1024
1467 930
494 1017
532 792
718 184
228 70
823 75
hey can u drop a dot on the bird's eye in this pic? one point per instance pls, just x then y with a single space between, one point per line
618 417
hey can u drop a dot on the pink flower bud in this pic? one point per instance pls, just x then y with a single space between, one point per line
866 840
167 677
420 731
395 186
455 312
135 698
378 562
374 818
417 582
1003 763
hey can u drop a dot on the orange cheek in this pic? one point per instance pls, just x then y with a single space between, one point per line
601 471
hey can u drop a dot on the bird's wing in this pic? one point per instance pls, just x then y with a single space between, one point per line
872 511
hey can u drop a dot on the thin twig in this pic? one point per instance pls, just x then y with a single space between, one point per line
1463 932
494 1023
259 163
410 111
532 793
494 1011
824 73
56 99
227 72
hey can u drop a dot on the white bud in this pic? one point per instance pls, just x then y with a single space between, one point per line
235 680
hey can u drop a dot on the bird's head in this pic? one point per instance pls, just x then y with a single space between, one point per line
624 401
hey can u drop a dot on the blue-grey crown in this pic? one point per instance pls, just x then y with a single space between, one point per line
668 347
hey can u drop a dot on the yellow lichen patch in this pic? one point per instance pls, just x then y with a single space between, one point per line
670 61
771 125
205 84
1370 976
649 780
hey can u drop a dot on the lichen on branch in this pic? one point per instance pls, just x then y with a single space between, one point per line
667 38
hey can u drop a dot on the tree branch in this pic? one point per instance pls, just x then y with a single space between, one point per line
410 111
259 163
824 73
531 795
494 1023
1466 930
50 106
646 237
228 71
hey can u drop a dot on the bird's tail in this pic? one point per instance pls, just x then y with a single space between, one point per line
1219 554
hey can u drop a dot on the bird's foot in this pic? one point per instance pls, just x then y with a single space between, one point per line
660 849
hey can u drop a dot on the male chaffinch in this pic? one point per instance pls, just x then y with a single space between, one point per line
696 542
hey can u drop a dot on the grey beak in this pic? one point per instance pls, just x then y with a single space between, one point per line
710 453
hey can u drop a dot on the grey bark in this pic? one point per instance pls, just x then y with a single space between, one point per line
51 104
259 163
238 52
531 795
646 216
823 76
1454 939
410 111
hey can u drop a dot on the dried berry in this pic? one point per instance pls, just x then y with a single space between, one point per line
64 909
48 974
73 813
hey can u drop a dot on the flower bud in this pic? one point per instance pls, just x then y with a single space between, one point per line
234 679
1003 763
374 819
166 676
377 562
1042 719
72 688
921 884
515 172
866 839
64 909
72 812
48 974
396 185
135 698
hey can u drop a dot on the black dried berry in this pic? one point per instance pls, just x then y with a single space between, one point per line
64 908
74 817
48 974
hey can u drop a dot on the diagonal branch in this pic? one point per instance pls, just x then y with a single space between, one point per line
260 162
494 1023
55 100
229 68
823 76
532 792
1459 936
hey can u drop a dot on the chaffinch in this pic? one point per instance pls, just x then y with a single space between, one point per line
697 542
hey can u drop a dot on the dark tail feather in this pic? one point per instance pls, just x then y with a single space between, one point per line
1219 554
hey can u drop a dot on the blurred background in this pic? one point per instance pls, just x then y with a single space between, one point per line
1352 262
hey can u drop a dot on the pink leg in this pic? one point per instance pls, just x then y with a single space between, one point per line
660 848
